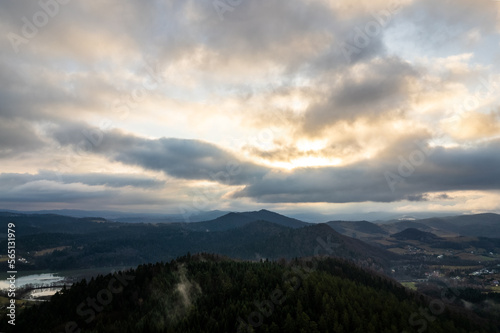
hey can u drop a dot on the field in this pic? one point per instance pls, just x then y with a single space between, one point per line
409 285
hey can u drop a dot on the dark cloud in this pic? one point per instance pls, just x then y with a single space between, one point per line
39 192
406 171
17 190
53 192
379 90
407 176
92 179
181 158
113 180
417 197
18 136
443 196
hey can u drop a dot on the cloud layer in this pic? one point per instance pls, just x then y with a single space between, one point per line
258 102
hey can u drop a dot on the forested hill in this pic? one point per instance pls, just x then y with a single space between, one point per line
206 293
61 243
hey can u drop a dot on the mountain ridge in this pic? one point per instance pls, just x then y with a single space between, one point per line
238 219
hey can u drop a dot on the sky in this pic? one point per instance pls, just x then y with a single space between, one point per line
331 107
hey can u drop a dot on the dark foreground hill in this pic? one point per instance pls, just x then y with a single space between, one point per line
205 293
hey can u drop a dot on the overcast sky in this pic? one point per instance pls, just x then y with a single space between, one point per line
294 106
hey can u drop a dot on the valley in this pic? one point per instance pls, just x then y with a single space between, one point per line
426 256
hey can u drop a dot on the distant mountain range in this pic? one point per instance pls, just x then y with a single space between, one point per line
399 247
70 242
131 217
199 216
480 225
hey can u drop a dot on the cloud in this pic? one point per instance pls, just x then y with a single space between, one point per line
181 158
16 136
445 27
50 191
444 196
416 172
87 191
91 179
474 126
418 197
369 90
272 78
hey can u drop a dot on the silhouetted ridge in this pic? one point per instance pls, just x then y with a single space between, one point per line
415 234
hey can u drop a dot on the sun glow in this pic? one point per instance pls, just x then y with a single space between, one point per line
307 162
308 145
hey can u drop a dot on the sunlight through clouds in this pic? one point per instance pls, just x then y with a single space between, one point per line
309 103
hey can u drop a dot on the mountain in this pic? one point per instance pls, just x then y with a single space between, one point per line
363 230
207 293
68 212
321 239
480 225
235 220
27 224
68 242
378 217
485 219
415 234
129 217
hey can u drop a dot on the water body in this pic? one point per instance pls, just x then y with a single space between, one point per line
39 294
36 280
45 280
39 280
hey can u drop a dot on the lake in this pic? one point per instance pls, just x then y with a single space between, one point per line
45 279
39 280
48 279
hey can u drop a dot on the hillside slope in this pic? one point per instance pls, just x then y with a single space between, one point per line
479 225
363 230
415 234
70 243
209 294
